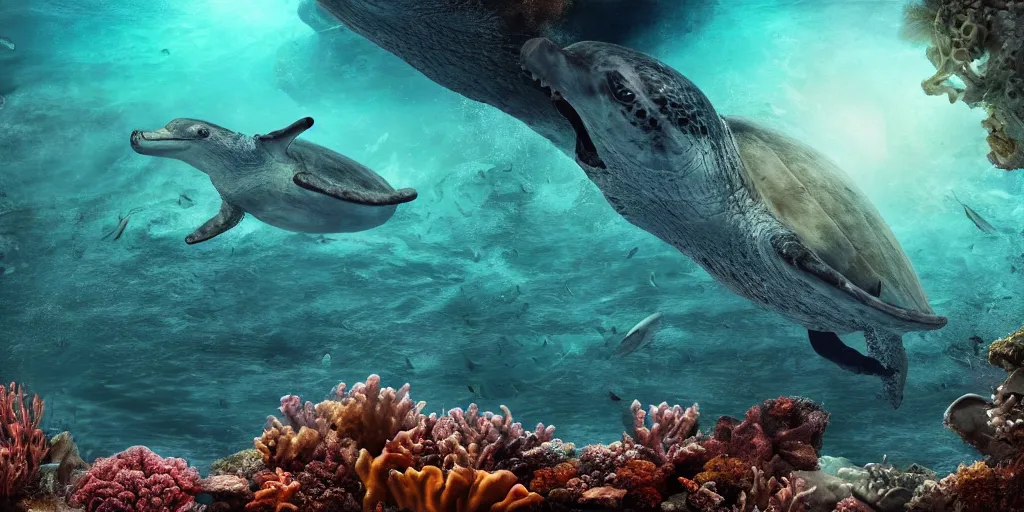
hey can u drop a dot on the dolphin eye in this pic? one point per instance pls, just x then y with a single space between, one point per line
203 132
621 92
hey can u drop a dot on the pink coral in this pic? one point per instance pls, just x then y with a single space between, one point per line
137 480
670 427
484 440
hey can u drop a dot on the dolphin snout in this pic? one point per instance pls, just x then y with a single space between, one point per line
158 143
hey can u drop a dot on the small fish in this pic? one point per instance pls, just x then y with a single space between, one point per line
408 364
471 390
976 343
185 201
567 290
641 334
470 364
981 223
632 252
6 41
326 361
600 330
165 51
545 342
121 225
614 397
651 280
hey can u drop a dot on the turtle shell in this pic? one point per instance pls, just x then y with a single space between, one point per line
812 196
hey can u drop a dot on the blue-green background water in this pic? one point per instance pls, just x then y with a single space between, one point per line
187 348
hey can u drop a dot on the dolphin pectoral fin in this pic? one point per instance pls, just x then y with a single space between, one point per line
887 348
277 142
228 217
829 346
343 192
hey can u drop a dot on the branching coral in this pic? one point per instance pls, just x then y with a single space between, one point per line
137 480
670 426
22 444
276 492
981 43
485 441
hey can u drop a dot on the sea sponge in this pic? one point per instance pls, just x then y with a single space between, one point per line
546 480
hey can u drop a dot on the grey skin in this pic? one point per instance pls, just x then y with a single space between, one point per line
290 184
669 164
472 46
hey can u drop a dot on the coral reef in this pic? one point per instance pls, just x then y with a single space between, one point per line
371 449
22 444
137 480
981 43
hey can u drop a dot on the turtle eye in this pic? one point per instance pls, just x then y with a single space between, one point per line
620 91
203 132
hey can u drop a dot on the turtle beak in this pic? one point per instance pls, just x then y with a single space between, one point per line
157 143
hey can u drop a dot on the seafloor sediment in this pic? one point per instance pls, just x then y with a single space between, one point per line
370 448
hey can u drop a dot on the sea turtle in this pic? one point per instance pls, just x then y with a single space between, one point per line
472 46
766 215
288 183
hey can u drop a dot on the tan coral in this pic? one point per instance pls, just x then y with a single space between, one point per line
370 415
465 490
281 446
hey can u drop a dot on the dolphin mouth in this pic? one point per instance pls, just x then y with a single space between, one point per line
540 60
158 142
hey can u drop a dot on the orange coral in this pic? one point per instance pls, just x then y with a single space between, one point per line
374 471
726 473
282 447
546 480
465 490
275 491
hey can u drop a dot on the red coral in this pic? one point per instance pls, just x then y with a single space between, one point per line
781 436
546 480
22 444
276 490
137 480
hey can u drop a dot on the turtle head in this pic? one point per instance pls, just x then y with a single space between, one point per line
627 108
198 143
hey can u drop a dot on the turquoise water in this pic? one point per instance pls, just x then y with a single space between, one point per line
497 276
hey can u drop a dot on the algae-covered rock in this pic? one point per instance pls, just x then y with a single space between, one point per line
1008 353
245 463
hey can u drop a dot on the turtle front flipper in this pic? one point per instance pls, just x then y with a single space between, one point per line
887 348
829 346
346 192
228 217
